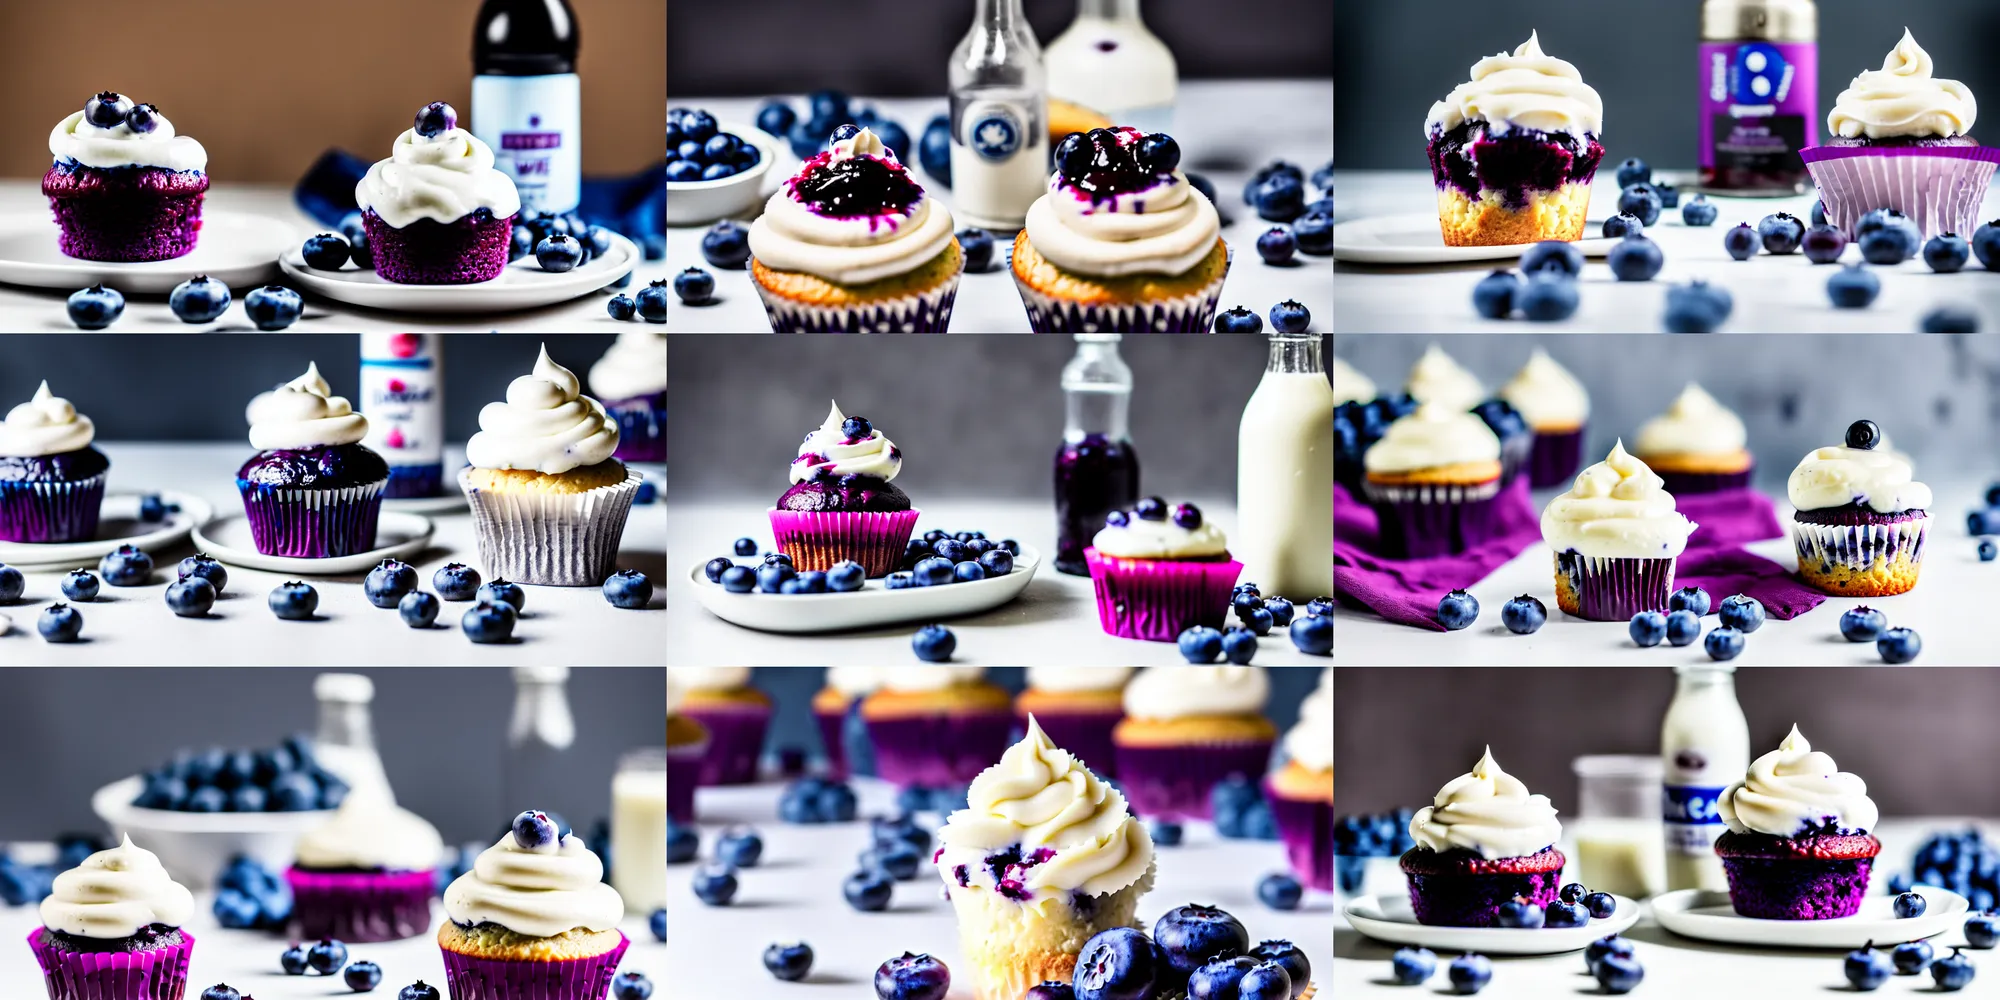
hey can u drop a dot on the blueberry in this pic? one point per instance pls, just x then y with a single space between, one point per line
1864 435
418 609
1549 298
697 125
273 307
457 582
1879 219
1683 627
739 847
488 622
977 244
1824 244
1238 320
293 960
1456 610
1670 196
12 583
912 977
631 986
1495 296
1220 978
1412 966
997 562
362 976
221 992
59 623
1277 246
934 149
1697 307
1623 225
1159 153
96 307
324 252
559 253
107 110
326 957
682 844
1910 905
1642 201
1186 516
1519 913
683 171
1050 990
190 597
385 585
1314 232
1950 319
152 510
1200 644
1853 287
1986 245
776 117
726 245
421 990
80 585
125 566
1742 613
1781 233
1987 550
1634 171
629 589
1608 945
1312 635
1470 973
1741 242
899 858
1150 509
1562 915
1290 316
1164 834
1952 972
967 571
202 299
790 961
715 884
846 575
1190 936
1553 255
867 890
1899 645
1947 253
1523 615
294 601
1699 211
934 644
1692 599
1636 258
1600 905
435 119
1281 611
1889 245
1619 973
1280 198
1121 964
498 591
1863 624
1239 645
1911 957
1982 931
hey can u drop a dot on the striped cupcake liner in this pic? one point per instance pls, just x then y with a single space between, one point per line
1861 548
1306 828
50 512
312 524
1611 590
360 906
1190 313
152 974
942 750
735 740
551 539
1158 599
1176 782
927 311
1425 520
1939 188
816 540
474 978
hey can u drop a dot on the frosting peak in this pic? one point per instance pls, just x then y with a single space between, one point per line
1903 99
370 831
1349 384
1184 692
45 425
1694 424
1311 741
303 413
1079 678
1795 790
635 366
1618 509
1529 89
1489 811
1546 395
1432 435
1876 478
1436 378
542 892
115 894
928 678
829 451
546 425
442 178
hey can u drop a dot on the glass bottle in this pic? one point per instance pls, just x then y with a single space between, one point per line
1284 474
345 741
402 395
1759 95
538 772
527 100
1704 745
999 119
1108 61
1097 470
639 829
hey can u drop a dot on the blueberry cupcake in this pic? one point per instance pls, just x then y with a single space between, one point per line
367 874
533 919
1349 384
841 505
1079 707
1121 243
852 244
313 490
1301 792
736 716
51 477
1158 572
1798 845
1616 536
113 928
1434 480
436 211
631 380
936 727
1556 408
1696 446
1188 729
836 710
124 186
687 744
1481 843
1859 519
1045 856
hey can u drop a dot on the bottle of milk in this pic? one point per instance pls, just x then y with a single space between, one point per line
1110 63
345 740
1284 474
639 829
999 119
1704 745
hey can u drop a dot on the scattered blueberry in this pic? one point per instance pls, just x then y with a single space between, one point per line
1741 242
1412 966
631 986
326 957
1277 246
190 597
1457 610
912 977
1899 645
790 962
1636 258
1952 972
1699 211
59 623
1824 244
1280 891
978 246
488 622
1697 307
1911 957
1619 974
628 589
1549 298
418 609
1200 644
96 307
1312 635
1495 296
362 976
1523 615
1634 171
1238 320
1519 913
934 644
1600 905
324 252
1683 627
1562 915
715 885
1742 613
868 890
202 299
500 590
1853 287
1910 905
1947 253
1290 316
1781 233
1692 599
385 585
1469 973
1863 624
726 245
294 601
1889 245
125 566
1950 319
1623 225
1553 255
293 960
1986 245
273 307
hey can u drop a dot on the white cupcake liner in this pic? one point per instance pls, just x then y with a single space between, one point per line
1860 548
918 312
551 539
1939 187
1190 313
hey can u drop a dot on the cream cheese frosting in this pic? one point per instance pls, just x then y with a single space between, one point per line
1139 538
1436 378
676 693
443 178
546 425
828 449
852 681
116 894
1162 693
1903 99
791 236
929 678
370 831
1617 509
634 366
1546 395
539 892
1795 790
1693 424
1164 229
1529 89
1432 435
1349 385
1488 811
45 425
711 678
303 413
74 139
1875 478
1310 743
1065 679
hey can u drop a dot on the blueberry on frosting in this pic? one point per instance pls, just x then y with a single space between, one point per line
435 119
1864 435
1108 162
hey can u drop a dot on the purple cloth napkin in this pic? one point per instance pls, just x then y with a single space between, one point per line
1406 591
1730 517
1726 571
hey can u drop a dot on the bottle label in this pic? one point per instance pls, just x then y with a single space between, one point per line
533 124
403 399
1692 817
1759 107
995 130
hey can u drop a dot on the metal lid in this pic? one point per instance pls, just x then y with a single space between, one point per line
1768 20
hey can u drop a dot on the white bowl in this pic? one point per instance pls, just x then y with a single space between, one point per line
195 847
698 203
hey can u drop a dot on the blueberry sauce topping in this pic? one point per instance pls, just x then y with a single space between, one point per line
1104 163
855 187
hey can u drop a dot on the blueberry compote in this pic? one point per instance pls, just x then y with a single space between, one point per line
1094 476
1104 163
856 187
1010 869
1517 164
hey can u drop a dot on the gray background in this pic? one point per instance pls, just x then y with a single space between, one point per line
1912 733
193 387
441 733
899 48
1397 57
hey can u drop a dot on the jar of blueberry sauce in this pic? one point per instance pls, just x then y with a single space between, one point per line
1759 95
1096 471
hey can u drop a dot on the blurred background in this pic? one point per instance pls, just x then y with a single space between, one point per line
1396 58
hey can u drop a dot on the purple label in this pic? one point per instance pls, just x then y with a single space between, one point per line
531 140
1759 104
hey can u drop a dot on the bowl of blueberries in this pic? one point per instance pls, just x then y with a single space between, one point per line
715 170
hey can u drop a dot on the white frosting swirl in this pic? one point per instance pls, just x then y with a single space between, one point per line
1528 89
1875 478
1066 679
1903 99
830 449
852 681
676 693
1488 811
1138 538
711 678
1694 424
1791 790
929 678
1349 385
303 413
1165 229
45 425
1162 693
543 892
371 831
119 146
635 366
443 179
790 236
1310 742
1546 395
1618 509
1436 378
116 894
1432 435
546 425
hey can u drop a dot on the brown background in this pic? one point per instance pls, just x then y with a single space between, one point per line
268 85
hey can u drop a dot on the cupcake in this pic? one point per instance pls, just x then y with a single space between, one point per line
841 504
112 930
1301 792
852 244
687 744
1439 378
533 920
631 379
124 186
1514 149
367 874
1349 385
1798 846
1159 572
1122 243
313 490
1899 138
436 211
936 727
1697 446
548 501
1079 707
1859 519
1482 842
1186 730
51 478
1044 857
1434 481
736 716
1615 536
836 711
1556 408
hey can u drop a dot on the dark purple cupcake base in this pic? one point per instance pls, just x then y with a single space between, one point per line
1691 483
831 725
38 511
735 741
683 777
427 252
1554 458
939 751
1796 889
1174 782
471 978
359 906
1422 522
642 427
126 214
1086 735
1461 889
152 974
312 523
1306 828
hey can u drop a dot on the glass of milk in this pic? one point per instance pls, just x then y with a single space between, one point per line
1619 845
639 829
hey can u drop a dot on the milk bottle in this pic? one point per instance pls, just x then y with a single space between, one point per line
1109 62
1284 474
999 119
639 830
1704 746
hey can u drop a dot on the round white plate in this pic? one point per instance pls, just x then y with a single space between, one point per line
1390 919
523 285
449 502
1415 239
872 606
235 249
117 524
228 539
1706 915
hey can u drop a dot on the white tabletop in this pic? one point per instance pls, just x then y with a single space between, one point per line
1054 621
1675 966
1226 130
132 626
1773 294
795 895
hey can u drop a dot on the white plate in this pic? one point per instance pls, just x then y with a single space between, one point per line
1390 919
1706 915
873 606
1415 239
523 285
446 504
237 250
397 535
117 524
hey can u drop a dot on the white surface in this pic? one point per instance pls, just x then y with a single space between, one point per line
521 285
130 626
1226 130
117 524
1053 622
1390 918
450 501
794 894
238 250
1415 239
1773 294
872 606
698 203
397 536
1709 917
195 847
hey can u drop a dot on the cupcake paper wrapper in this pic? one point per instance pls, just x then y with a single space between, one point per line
473 978
551 539
1424 520
1086 735
1554 458
928 311
1173 782
1774 889
50 512
1940 189
938 751
360 906
1306 827
642 428
312 524
683 776
155 974
1158 599
816 540
1190 313
830 726
735 739
1690 483
1868 550
1611 590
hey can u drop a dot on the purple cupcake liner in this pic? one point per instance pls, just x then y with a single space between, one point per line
642 427
1190 313
1693 483
816 540
427 252
735 741
312 524
1173 782
1796 889
1158 599
154 974
917 312
1939 188
125 215
1612 590
50 512
1475 900
1424 520
551 539
939 751
1086 735
1555 457
360 906
1306 828
683 776
473 978
831 724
